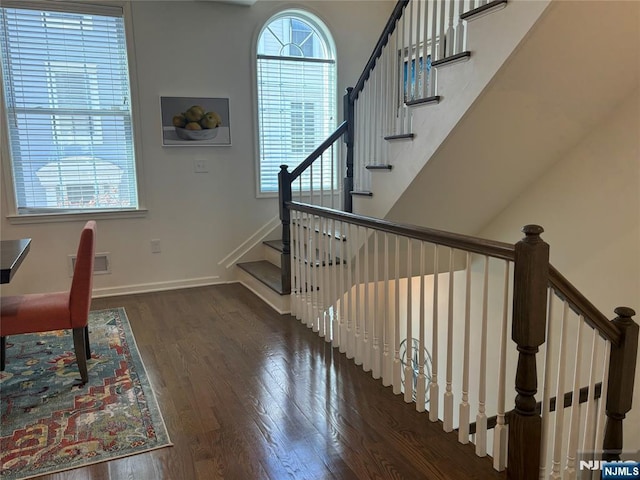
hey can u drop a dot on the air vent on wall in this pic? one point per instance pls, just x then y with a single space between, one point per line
101 266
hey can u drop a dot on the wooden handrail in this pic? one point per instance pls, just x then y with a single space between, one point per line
468 243
377 51
342 128
579 303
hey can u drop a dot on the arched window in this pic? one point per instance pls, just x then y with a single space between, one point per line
296 74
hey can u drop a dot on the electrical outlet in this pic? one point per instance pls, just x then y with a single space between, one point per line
155 246
200 166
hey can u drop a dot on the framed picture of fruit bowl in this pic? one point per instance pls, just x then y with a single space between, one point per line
195 121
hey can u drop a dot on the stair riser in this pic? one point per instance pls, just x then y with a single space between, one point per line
271 255
280 303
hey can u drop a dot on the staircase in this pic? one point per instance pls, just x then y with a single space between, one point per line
367 284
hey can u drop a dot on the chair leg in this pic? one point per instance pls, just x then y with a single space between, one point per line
2 353
80 348
86 342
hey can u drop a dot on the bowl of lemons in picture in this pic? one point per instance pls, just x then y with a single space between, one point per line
196 124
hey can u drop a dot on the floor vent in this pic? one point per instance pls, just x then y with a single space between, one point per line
101 266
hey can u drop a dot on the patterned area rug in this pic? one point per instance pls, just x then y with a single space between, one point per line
51 423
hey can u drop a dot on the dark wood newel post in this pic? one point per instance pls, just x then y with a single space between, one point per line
284 196
622 371
531 278
349 114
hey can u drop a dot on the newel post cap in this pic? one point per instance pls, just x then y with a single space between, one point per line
532 230
624 312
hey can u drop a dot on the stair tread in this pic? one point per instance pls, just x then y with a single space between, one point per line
275 244
362 193
401 136
266 272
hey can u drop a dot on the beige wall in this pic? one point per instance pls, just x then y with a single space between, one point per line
186 48
589 205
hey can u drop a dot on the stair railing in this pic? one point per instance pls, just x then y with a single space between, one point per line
369 286
419 35
316 181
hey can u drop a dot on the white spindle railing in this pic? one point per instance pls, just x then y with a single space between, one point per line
576 359
391 304
403 301
428 31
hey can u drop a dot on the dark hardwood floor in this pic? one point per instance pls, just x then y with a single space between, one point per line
249 394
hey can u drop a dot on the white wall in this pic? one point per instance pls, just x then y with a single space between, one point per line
589 205
191 49
543 100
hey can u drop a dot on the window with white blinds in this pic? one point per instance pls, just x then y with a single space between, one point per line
68 105
296 75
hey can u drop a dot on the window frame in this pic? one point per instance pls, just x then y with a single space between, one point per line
321 25
12 214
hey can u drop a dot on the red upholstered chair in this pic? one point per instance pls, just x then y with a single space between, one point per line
43 312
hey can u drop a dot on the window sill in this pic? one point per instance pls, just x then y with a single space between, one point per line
74 217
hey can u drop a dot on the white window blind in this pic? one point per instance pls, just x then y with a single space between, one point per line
296 94
68 107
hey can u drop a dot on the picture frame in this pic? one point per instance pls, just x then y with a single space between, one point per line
412 78
195 121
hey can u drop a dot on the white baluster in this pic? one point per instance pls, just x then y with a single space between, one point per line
416 55
401 76
500 431
307 274
602 403
559 427
315 273
351 240
481 417
447 423
395 85
450 35
372 119
345 265
460 29
295 278
425 52
546 386
409 56
397 388
384 94
335 280
588 439
317 263
387 327
463 429
441 27
310 287
354 284
408 368
376 358
366 321
300 240
434 389
421 386
434 45
359 305
358 112
574 425
328 269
